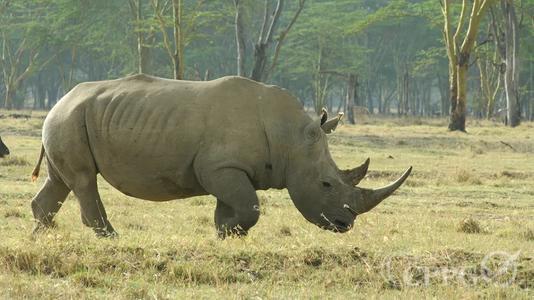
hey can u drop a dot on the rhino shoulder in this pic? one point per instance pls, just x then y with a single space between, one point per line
140 77
235 80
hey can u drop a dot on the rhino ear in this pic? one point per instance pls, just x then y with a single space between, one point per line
324 115
331 125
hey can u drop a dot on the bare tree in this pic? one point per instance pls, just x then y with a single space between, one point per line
506 37
19 64
136 7
351 95
239 38
260 69
182 27
459 53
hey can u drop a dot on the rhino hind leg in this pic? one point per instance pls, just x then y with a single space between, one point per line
237 204
92 210
48 201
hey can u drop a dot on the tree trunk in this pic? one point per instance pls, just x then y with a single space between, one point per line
142 51
39 93
52 94
264 40
453 96
370 104
406 92
530 100
178 64
340 103
511 75
260 71
9 95
444 96
260 58
239 38
352 84
459 55
459 107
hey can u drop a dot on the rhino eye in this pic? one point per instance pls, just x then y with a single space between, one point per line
326 184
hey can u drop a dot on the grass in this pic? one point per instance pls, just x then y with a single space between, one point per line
470 225
14 161
465 212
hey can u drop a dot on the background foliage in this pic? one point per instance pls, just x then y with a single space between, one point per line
394 47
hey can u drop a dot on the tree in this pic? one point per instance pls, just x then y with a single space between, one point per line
23 40
239 38
260 71
506 38
174 50
136 7
459 53
182 31
489 67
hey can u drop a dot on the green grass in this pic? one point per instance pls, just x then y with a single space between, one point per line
468 204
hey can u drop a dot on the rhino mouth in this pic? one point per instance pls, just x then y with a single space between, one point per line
336 225
341 226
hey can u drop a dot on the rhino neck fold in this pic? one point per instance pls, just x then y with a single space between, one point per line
276 164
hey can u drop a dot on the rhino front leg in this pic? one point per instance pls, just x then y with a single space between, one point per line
237 203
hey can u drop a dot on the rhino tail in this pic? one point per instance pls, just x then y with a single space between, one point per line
35 173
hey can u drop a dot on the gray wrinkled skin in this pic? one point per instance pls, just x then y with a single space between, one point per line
159 139
3 149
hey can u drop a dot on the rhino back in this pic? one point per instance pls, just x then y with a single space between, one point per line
153 138
144 134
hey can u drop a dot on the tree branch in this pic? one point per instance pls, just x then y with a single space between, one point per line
336 73
461 23
264 24
283 35
161 22
274 21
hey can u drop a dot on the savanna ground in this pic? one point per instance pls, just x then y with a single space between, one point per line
461 227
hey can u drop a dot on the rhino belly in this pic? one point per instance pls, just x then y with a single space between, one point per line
154 185
146 151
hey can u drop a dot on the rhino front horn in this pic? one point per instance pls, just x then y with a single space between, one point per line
372 197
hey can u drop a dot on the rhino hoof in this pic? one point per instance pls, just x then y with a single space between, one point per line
102 233
42 227
235 232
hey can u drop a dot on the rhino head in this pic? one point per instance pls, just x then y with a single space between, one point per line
3 149
324 194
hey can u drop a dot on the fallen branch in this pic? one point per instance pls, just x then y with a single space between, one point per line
506 144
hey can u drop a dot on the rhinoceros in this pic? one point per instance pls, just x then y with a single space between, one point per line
3 149
159 139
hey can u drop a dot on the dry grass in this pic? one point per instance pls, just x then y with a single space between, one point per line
468 201
14 161
470 225
529 235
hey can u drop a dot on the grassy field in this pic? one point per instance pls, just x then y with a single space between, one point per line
461 227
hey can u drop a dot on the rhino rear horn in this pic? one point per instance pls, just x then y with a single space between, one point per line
372 197
353 176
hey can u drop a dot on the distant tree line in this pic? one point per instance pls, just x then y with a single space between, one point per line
407 57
